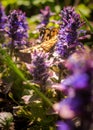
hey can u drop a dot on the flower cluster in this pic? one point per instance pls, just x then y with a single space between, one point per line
3 18
68 33
77 107
17 28
6 120
39 68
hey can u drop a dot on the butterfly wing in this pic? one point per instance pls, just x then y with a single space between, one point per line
45 34
54 32
48 45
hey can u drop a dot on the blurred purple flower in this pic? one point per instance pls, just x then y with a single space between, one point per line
77 80
39 68
17 28
68 33
69 107
45 15
3 18
79 90
3 24
79 62
75 104
63 126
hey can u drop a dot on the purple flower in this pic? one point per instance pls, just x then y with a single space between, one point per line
3 24
45 15
78 63
69 15
39 68
78 87
17 28
77 80
3 18
69 108
63 126
68 33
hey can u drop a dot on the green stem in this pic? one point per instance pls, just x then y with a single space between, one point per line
11 48
59 80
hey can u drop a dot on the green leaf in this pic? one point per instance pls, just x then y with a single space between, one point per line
84 9
6 3
38 2
57 8
25 2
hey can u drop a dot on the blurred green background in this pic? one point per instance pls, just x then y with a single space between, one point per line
32 7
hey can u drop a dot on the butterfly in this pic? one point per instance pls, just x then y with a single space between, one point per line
48 37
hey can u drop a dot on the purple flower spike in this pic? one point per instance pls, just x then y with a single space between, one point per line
68 33
39 68
70 16
78 105
3 18
17 28
3 25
